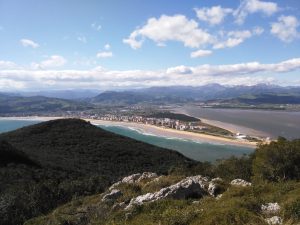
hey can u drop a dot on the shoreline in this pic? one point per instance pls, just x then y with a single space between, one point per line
228 126
156 131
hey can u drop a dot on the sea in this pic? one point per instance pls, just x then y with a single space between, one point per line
200 151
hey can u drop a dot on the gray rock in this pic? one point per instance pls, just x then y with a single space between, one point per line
131 179
147 175
134 178
189 187
240 182
213 186
275 220
112 195
270 208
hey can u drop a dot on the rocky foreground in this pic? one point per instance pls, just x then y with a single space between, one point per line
125 198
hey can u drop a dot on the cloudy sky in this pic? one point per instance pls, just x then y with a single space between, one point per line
120 44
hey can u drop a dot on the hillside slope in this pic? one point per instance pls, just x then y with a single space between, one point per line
68 158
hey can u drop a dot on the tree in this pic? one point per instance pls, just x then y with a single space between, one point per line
277 161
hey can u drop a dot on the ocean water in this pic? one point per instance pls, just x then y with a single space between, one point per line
194 150
274 123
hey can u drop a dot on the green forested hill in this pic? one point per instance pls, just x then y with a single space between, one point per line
17 104
47 164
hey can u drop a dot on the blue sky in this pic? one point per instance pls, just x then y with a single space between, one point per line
64 44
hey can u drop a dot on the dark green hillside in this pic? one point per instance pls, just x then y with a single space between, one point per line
9 154
75 158
16 104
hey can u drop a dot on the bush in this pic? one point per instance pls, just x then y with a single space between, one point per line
277 161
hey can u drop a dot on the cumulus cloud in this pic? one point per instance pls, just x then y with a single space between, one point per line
169 28
253 6
52 62
179 70
214 15
105 54
286 28
230 74
200 53
29 43
7 65
234 38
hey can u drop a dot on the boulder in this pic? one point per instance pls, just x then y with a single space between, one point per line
275 220
147 175
131 179
134 178
187 188
270 208
214 187
240 182
112 195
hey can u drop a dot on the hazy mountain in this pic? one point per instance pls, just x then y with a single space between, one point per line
17 104
180 94
64 94
47 164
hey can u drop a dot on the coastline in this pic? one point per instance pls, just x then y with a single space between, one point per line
228 126
157 131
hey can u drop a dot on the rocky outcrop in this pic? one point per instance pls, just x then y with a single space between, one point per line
112 195
134 178
214 186
240 182
195 186
270 208
275 220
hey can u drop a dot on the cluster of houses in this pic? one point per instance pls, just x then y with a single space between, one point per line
163 122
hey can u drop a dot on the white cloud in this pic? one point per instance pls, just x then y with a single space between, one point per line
200 53
29 43
52 62
179 70
105 54
170 28
82 39
107 46
234 38
100 78
253 6
96 26
7 65
286 28
214 15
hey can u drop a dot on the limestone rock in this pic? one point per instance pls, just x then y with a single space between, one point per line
275 220
214 187
240 182
147 175
134 178
112 195
189 187
270 208
131 179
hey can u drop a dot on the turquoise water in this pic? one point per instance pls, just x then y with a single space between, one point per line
191 149
194 150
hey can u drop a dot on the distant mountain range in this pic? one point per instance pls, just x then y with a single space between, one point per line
83 100
182 94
